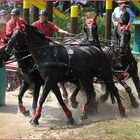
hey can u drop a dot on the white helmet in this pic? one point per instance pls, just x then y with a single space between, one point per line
3 12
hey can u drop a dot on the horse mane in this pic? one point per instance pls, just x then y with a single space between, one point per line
37 32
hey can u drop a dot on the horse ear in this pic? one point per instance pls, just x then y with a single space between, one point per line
85 18
94 18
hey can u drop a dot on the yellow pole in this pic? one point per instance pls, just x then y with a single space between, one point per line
26 6
74 19
108 19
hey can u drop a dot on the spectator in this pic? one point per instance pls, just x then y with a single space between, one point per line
125 17
117 13
80 3
15 22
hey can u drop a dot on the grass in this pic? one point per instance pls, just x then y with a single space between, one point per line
109 129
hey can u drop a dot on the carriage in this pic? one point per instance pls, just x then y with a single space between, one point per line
13 80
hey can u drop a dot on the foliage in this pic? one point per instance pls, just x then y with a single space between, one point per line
65 24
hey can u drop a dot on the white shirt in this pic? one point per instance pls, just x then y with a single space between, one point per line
117 13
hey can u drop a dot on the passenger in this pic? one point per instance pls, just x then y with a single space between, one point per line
15 22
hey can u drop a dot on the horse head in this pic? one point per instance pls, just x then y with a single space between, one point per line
91 29
124 37
17 36
34 41
17 46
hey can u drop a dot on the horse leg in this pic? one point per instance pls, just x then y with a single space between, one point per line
137 84
134 73
134 103
114 92
91 104
63 90
36 90
23 88
104 97
74 103
46 90
68 113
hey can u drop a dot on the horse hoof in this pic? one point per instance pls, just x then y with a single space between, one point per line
71 121
26 113
65 100
34 121
103 98
124 115
74 104
135 104
84 116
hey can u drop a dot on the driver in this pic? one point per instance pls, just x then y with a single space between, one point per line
47 27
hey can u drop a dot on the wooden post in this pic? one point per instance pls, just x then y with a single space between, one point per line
35 13
49 8
74 19
2 86
108 20
26 6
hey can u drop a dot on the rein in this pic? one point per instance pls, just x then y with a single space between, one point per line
14 60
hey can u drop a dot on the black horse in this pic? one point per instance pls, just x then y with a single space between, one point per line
29 74
56 64
123 62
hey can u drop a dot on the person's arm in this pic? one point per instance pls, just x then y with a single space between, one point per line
54 28
114 18
9 30
63 32
34 24
132 15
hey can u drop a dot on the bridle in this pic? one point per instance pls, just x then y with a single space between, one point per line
123 50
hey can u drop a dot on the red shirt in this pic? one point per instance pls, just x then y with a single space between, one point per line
2 33
11 24
46 28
